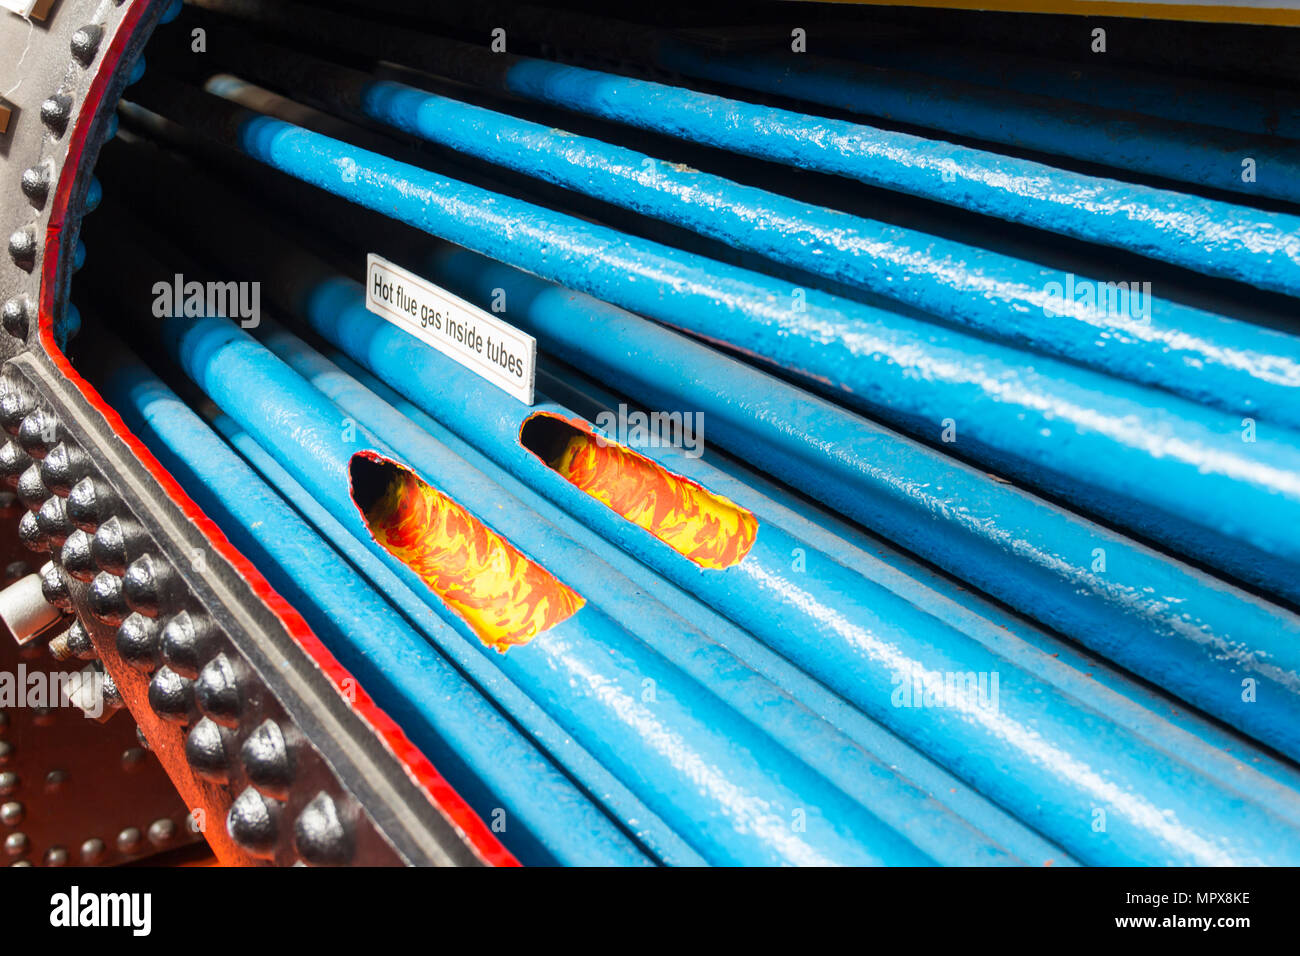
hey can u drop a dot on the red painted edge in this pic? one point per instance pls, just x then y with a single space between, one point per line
416 764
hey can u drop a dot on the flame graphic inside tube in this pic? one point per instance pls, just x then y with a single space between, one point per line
706 528
504 596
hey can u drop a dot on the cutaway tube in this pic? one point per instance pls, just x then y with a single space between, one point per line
1200 640
855 636
719 781
1113 448
481 753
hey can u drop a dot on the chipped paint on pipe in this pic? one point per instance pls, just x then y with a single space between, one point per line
451 722
1125 332
850 632
718 780
1103 444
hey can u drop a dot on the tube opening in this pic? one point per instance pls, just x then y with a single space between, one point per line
505 597
704 527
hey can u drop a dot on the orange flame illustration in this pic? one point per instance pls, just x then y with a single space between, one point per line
504 596
706 528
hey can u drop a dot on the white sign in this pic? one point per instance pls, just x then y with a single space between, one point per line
458 329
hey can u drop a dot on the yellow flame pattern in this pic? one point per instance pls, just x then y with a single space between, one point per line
704 527
505 597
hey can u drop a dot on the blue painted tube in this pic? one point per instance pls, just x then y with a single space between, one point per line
1202 356
956 794
1218 238
854 635
649 830
1250 109
1196 154
1176 626
709 773
872 783
1211 236
480 753
1169 725
1105 445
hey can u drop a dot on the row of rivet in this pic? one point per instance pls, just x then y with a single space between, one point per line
189 675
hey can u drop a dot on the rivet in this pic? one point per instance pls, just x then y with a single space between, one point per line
129 840
171 695
15 316
319 835
267 761
217 691
56 856
39 432
253 823
56 112
23 247
76 558
83 503
85 43
16 844
11 813
35 185
162 832
205 749
8 783
137 642
105 598
92 851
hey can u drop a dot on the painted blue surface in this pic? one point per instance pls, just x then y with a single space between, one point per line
874 737
1205 357
859 774
1105 445
1180 628
1169 724
1037 751
650 832
712 775
473 746
1218 238
1190 153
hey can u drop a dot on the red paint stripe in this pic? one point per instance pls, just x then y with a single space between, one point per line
416 764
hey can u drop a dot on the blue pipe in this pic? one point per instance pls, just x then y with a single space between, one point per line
869 781
1201 155
959 797
850 632
1104 445
1207 745
1169 623
1205 357
665 845
1219 238
714 777
481 754
1211 236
